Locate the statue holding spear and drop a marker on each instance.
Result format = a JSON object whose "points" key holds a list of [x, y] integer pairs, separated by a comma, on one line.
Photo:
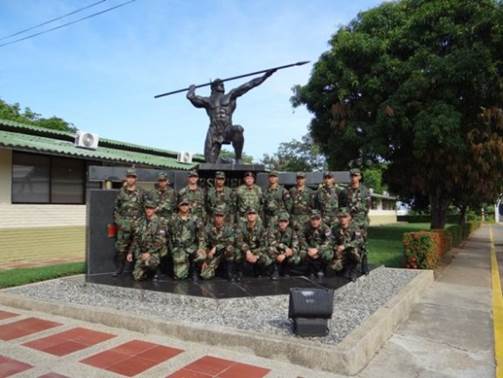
{"points": [[220, 106]]}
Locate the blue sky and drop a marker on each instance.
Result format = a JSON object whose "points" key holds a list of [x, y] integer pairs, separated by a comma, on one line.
{"points": [[101, 74]]}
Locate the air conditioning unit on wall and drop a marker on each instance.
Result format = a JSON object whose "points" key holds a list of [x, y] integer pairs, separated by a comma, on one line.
{"points": [[86, 140], [184, 157]]}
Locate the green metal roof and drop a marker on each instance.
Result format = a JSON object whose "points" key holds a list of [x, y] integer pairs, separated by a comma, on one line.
{"points": [[104, 142], [39, 139]]}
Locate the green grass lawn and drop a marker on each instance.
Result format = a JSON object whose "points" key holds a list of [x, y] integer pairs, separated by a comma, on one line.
{"points": [[16, 277], [385, 243]]}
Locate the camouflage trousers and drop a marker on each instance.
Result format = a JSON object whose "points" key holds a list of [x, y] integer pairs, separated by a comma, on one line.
{"points": [[143, 268], [263, 266], [123, 241], [209, 269], [182, 259], [350, 256]]}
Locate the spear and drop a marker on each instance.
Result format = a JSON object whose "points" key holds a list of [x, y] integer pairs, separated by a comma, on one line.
{"points": [[234, 78]]}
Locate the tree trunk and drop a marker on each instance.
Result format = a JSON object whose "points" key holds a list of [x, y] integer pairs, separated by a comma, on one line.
{"points": [[462, 215], [438, 206]]}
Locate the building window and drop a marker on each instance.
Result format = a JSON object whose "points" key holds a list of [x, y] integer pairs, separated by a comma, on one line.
{"points": [[47, 179]]}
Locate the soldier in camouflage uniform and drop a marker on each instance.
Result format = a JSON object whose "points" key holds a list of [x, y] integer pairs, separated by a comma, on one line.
{"points": [[357, 198], [302, 202], [128, 208], [220, 247], [195, 195], [316, 241], [221, 196], [348, 246], [327, 200], [283, 246], [164, 197], [252, 243], [149, 242], [186, 242], [248, 195], [276, 200]]}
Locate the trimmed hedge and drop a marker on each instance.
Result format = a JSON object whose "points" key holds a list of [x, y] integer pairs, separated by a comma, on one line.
{"points": [[424, 249]]}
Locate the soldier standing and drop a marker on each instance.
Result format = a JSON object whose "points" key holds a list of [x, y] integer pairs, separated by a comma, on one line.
{"points": [[253, 245], [195, 195], [276, 200], [302, 202], [219, 246], [128, 208], [186, 242], [357, 198], [327, 199], [149, 242], [248, 195], [348, 246], [164, 197], [283, 245], [221, 196], [317, 245]]}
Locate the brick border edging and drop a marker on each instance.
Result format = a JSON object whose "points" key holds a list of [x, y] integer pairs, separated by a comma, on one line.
{"points": [[350, 356]]}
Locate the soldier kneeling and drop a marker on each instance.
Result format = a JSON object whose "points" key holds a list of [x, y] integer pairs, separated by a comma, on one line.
{"points": [[149, 243], [283, 246], [252, 244], [186, 242], [220, 246], [348, 245]]}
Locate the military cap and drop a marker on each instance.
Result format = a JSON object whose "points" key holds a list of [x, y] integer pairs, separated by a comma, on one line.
{"points": [[220, 175], [183, 201], [193, 173], [131, 172], [251, 210], [150, 204], [162, 176], [327, 174], [219, 210], [274, 173], [315, 214], [283, 216], [248, 173], [343, 212], [355, 171], [300, 174]]}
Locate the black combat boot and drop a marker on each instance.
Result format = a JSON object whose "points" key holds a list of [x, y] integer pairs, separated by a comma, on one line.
{"points": [[238, 271], [195, 275], [230, 271], [158, 274], [275, 272], [320, 275], [121, 263], [365, 266], [353, 272]]}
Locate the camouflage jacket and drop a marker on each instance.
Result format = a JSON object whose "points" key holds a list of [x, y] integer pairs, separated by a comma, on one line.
{"points": [[320, 238], [222, 238], [276, 200], [150, 236], [278, 241], [252, 239], [248, 197], [165, 201], [224, 198], [187, 234], [350, 238], [327, 201], [128, 206], [358, 201], [302, 201], [196, 199]]}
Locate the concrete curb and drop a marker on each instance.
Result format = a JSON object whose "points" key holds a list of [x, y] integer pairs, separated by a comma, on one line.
{"points": [[348, 357]]}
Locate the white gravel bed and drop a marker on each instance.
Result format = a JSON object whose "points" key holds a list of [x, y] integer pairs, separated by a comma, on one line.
{"points": [[353, 303]]}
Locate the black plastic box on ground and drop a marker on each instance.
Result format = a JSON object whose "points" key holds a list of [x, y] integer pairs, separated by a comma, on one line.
{"points": [[310, 309], [310, 327]]}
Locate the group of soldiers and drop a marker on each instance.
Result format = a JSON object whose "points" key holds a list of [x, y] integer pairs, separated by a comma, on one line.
{"points": [[246, 231]]}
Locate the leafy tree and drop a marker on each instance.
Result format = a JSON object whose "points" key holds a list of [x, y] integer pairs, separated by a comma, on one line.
{"points": [[13, 113], [229, 155], [296, 155], [417, 84], [373, 178]]}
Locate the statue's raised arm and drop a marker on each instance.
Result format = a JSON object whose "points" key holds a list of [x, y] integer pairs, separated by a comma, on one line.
{"points": [[197, 101], [242, 89]]}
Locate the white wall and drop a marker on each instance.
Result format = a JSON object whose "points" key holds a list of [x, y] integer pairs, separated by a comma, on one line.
{"points": [[5, 176], [26, 216]]}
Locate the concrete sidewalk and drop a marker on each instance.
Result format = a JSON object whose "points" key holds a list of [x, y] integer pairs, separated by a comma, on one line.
{"points": [[449, 332]]}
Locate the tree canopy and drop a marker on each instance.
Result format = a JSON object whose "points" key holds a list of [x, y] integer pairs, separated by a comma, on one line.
{"points": [[14, 113], [416, 84]]}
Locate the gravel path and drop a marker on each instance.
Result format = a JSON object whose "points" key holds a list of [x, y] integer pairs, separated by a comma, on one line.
{"points": [[353, 303]]}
